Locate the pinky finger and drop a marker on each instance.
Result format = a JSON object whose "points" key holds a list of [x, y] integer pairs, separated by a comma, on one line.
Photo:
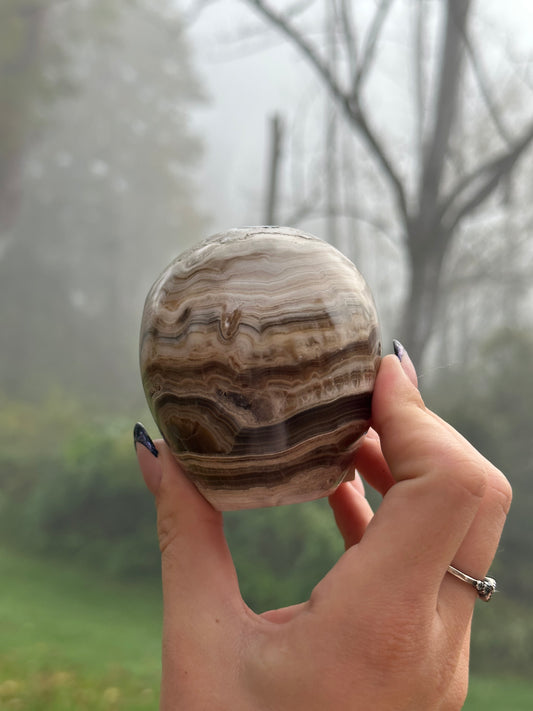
{"points": [[351, 510]]}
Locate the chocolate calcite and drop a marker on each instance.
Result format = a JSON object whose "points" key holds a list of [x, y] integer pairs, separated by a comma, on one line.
{"points": [[259, 350]]}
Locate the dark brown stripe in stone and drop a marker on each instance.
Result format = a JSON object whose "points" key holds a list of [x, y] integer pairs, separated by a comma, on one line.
{"points": [[242, 473], [253, 441]]}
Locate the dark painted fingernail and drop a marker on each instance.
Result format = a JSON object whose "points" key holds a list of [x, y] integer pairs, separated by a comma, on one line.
{"points": [[141, 436], [407, 364], [398, 349]]}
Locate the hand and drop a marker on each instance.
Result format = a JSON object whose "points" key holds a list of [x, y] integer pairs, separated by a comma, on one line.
{"points": [[387, 627]]}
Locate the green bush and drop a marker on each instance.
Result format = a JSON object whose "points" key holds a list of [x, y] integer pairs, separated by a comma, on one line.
{"points": [[71, 487], [491, 405], [281, 553], [502, 638]]}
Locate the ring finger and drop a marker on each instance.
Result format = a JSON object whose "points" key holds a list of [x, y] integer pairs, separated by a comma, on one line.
{"points": [[478, 548]]}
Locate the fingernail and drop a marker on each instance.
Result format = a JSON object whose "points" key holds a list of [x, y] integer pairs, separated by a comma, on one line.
{"points": [[141, 436], [358, 484], [398, 349], [405, 360]]}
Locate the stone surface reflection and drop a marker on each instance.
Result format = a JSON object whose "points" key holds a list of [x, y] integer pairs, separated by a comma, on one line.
{"points": [[259, 350]]}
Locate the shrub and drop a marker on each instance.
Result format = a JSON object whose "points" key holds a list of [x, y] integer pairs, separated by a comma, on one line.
{"points": [[70, 486]]}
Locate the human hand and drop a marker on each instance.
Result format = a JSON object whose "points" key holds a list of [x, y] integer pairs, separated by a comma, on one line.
{"points": [[387, 627]]}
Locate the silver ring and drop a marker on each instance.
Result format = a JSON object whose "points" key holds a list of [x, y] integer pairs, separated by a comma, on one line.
{"points": [[485, 588]]}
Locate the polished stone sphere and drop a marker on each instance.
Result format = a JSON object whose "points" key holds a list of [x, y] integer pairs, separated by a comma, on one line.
{"points": [[259, 349]]}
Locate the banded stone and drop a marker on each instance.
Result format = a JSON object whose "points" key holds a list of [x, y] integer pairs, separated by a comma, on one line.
{"points": [[258, 350]]}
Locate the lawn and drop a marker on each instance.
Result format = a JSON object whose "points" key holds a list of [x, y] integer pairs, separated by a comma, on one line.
{"points": [[499, 695], [70, 641]]}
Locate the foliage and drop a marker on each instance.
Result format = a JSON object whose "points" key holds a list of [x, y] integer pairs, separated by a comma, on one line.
{"points": [[74, 640], [497, 692], [281, 553], [490, 404], [69, 486], [502, 637], [86, 643]]}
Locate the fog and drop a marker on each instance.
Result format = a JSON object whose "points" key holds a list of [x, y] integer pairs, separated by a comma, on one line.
{"points": [[122, 147], [251, 73], [130, 131]]}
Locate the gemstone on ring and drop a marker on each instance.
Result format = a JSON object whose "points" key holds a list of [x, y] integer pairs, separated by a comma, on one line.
{"points": [[485, 588]]}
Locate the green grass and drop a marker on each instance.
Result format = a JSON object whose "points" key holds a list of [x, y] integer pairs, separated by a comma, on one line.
{"points": [[499, 695], [71, 641]]}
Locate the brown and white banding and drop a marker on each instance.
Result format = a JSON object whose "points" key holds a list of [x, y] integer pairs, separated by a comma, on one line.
{"points": [[259, 349]]}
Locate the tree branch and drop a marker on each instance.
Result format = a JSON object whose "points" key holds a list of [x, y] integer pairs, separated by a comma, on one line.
{"points": [[310, 210], [420, 95], [349, 103], [489, 175], [349, 35], [298, 7], [356, 115], [282, 23], [481, 78], [369, 49]]}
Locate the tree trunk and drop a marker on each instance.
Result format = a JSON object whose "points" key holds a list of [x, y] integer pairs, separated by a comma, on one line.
{"points": [[421, 305], [427, 238], [271, 208], [430, 213]]}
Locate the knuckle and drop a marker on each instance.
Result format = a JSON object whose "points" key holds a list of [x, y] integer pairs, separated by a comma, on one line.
{"points": [[167, 531], [470, 475], [501, 490]]}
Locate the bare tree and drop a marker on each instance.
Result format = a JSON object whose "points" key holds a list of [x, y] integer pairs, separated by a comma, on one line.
{"points": [[431, 208]]}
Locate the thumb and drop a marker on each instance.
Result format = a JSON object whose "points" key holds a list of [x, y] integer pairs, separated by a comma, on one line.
{"points": [[197, 568]]}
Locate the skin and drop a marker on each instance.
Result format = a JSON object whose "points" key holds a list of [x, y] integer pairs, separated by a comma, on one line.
{"points": [[387, 628]]}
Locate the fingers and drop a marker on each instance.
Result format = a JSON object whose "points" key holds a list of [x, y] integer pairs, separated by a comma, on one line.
{"points": [[203, 611], [440, 484], [351, 510], [478, 548], [197, 568], [147, 456], [371, 464], [407, 363]]}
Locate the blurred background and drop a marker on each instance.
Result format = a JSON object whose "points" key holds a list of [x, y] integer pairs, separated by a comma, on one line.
{"points": [[399, 130]]}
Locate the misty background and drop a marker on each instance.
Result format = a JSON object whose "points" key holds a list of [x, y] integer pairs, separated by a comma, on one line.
{"points": [[400, 131]]}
